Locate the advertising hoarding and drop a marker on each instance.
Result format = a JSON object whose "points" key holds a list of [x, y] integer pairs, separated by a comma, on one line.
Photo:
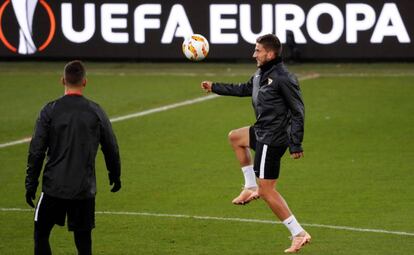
{"points": [[154, 30]]}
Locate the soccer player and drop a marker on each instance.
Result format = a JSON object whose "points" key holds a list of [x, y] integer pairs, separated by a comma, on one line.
{"points": [[68, 131], [279, 111]]}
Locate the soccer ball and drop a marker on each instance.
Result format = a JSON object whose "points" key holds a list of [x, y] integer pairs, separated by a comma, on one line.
{"points": [[195, 47]]}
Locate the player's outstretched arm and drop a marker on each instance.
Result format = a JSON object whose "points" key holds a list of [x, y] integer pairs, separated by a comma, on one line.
{"points": [[228, 89]]}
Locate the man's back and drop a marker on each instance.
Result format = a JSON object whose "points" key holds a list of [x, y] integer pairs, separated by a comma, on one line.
{"points": [[70, 129]]}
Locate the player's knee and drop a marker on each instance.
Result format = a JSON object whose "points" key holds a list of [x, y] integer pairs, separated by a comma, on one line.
{"points": [[233, 137]]}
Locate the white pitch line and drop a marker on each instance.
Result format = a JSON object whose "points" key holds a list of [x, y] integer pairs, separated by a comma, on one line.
{"points": [[130, 116], [24, 140], [381, 231], [163, 108], [154, 110]]}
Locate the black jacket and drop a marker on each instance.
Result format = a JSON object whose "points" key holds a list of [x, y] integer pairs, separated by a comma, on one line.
{"points": [[277, 103], [69, 130]]}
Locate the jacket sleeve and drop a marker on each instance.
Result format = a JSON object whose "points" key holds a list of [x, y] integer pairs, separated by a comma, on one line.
{"points": [[291, 91], [228, 89], [109, 147], [37, 149]]}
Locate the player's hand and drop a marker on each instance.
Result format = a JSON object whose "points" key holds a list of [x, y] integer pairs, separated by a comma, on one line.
{"points": [[206, 86], [117, 185], [30, 196], [297, 155]]}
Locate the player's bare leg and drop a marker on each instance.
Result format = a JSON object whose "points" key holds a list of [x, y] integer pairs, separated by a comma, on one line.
{"points": [[239, 140], [280, 208]]}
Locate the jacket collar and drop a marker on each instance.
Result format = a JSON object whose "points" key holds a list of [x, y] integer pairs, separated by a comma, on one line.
{"points": [[73, 93], [270, 64]]}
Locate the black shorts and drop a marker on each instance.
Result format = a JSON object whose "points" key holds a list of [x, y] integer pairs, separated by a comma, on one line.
{"points": [[252, 138], [50, 211], [267, 160]]}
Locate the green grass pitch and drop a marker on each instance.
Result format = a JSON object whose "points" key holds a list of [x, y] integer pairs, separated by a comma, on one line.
{"points": [[177, 164]]}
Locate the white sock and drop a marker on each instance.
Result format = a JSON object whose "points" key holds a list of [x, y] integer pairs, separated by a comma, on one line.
{"points": [[249, 177], [293, 225]]}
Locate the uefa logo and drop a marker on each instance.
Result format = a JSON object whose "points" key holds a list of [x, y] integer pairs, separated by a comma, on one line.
{"points": [[24, 11]]}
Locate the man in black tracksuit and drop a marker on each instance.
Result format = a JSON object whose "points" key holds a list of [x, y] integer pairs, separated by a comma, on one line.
{"points": [[279, 111], [68, 132]]}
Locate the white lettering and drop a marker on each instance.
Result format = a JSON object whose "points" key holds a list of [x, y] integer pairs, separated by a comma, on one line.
{"points": [[337, 23], [67, 26], [245, 22], [353, 25], [108, 23], [283, 24], [178, 25], [141, 23], [390, 14], [217, 23], [285, 20]]}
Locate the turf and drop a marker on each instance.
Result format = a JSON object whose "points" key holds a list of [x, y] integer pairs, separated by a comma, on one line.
{"points": [[357, 170]]}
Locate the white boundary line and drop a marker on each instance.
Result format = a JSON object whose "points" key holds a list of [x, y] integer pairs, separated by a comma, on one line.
{"points": [[130, 116], [150, 111], [163, 108], [24, 140], [382, 231]]}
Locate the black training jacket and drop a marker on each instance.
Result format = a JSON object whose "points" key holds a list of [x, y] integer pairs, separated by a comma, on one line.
{"points": [[277, 103], [68, 131]]}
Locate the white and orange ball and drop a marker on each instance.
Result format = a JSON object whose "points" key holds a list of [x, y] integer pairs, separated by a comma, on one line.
{"points": [[196, 47]]}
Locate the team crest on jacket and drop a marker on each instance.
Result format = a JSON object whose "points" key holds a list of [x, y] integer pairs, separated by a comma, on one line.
{"points": [[269, 81]]}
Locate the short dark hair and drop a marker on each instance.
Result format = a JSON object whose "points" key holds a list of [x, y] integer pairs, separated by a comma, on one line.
{"points": [[270, 42], [74, 72]]}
